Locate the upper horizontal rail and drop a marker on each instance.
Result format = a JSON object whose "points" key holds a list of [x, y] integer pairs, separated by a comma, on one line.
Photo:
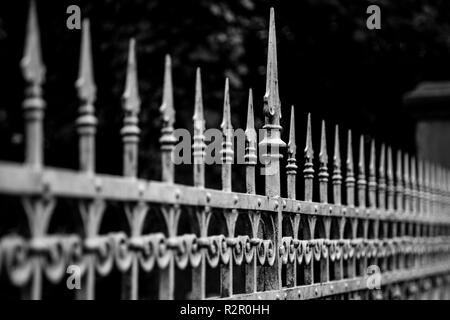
{"points": [[18, 179]]}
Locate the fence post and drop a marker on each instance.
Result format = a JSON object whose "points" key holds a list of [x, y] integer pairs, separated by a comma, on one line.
{"points": [[271, 145]]}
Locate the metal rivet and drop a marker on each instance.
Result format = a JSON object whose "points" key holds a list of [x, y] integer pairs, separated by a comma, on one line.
{"points": [[331, 209], [259, 297], [277, 297], [98, 185], [316, 209], [177, 194], [141, 189], [276, 205], [259, 202], [299, 207], [316, 291], [285, 296], [299, 293], [346, 285], [235, 199], [284, 203], [344, 210], [208, 197]]}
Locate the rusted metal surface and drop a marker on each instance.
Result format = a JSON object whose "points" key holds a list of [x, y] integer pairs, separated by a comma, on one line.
{"points": [[288, 248]]}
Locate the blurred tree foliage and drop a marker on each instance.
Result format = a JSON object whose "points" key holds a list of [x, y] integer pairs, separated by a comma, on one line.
{"points": [[329, 63]]}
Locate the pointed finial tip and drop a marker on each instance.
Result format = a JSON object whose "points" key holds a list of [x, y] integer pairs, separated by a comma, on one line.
{"points": [[32, 67]]}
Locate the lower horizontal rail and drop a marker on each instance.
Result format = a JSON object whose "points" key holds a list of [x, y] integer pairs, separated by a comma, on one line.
{"points": [[319, 290]]}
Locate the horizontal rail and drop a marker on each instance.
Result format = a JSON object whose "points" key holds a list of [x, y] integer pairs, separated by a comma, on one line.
{"points": [[18, 179]]}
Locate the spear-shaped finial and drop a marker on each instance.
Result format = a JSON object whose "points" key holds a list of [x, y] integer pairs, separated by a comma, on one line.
{"points": [[390, 180], [250, 149], [350, 177], [291, 167], [131, 100], [199, 121], [398, 182], [85, 82], [323, 169], [337, 177], [226, 120], [167, 109], [199, 137], [86, 122], [272, 143], [32, 66], [131, 106], [227, 145], [308, 171], [372, 185], [33, 71], [414, 187], [167, 139], [382, 178], [361, 183], [292, 146], [407, 182], [272, 105]]}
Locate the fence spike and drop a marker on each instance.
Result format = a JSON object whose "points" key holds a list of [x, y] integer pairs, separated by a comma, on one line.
{"points": [[350, 177], [167, 139], [291, 167], [33, 68], [361, 182], [390, 180], [308, 171], [227, 145], [414, 187], [337, 173], [272, 143], [382, 178], [407, 183], [86, 122], [33, 71], [420, 186], [428, 187], [131, 106], [272, 105], [199, 137], [372, 183], [399, 190], [250, 150], [167, 108], [323, 169]]}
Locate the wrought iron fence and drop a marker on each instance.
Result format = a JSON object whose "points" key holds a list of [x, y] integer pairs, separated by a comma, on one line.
{"points": [[378, 234]]}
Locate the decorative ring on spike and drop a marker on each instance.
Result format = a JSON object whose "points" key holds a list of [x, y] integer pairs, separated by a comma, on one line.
{"points": [[300, 251], [146, 250], [225, 250], [73, 248], [55, 260], [317, 248], [332, 250], [261, 251], [308, 251], [195, 254], [284, 249], [325, 248], [248, 249], [103, 249], [122, 255], [163, 252], [270, 251], [16, 258], [213, 252], [179, 247]]}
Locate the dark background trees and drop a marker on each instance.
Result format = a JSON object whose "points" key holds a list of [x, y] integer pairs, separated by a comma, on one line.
{"points": [[330, 64]]}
